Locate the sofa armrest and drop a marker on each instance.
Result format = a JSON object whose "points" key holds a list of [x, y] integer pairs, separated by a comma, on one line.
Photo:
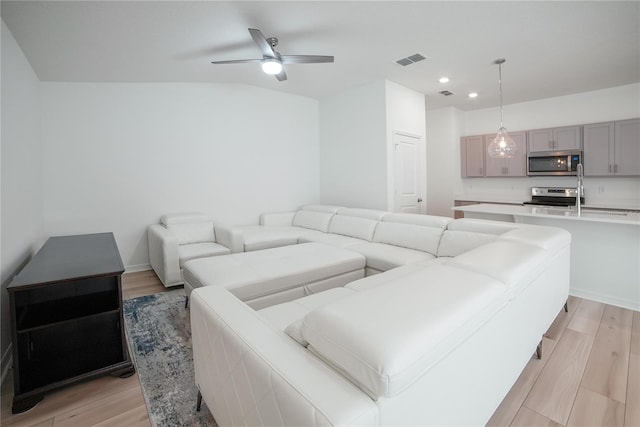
{"points": [[277, 218], [250, 374], [163, 254], [231, 237]]}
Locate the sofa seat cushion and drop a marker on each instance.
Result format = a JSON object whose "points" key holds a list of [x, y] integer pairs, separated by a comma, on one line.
{"points": [[386, 257], [259, 237], [385, 277], [200, 250], [336, 240], [250, 275], [280, 316], [385, 338]]}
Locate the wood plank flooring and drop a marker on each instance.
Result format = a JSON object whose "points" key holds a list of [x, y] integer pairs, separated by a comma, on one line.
{"points": [[589, 374]]}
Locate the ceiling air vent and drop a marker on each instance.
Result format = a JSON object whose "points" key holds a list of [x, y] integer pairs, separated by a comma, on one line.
{"points": [[410, 59], [445, 93]]}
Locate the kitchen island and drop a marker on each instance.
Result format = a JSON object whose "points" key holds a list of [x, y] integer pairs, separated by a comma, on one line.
{"points": [[605, 246]]}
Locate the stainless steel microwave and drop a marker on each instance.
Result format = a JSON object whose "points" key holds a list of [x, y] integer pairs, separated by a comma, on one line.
{"points": [[554, 162]]}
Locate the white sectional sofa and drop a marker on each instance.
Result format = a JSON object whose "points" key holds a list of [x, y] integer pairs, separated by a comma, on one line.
{"points": [[437, 337], [386, 239]]}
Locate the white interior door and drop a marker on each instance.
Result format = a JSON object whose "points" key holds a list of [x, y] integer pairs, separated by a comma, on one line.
{"points": [[407, 173]]}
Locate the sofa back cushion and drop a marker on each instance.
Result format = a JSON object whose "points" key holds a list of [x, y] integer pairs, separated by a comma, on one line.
{"points": [[551, 239], [454, 243], [418, 219], [313, 220], [363, 213], [385, 347], [482, 226], [360, 228], [190, 227], [321, 208], [410, 236]]}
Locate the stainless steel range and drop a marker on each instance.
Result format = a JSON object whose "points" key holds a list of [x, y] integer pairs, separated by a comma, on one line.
{"points": [[554, 196]]}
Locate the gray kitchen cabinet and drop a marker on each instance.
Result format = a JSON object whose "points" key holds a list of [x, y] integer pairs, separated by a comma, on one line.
{"points": [[627, 148], [612, 148], [555, 139], [472, 155], [515, 166], [598, 149]]}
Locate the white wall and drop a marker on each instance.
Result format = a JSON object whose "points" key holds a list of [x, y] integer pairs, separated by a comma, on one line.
{"points": [[353, 148], [120, 155], [21, 224], [405, 113], [443, 157], [616, 103]]}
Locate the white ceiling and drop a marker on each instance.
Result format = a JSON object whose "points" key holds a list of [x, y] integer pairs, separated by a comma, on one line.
{"points": [[552, 48]]}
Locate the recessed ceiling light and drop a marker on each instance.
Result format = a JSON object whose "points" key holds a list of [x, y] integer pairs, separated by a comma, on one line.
{"points": [[444, 80], [473, 94]]}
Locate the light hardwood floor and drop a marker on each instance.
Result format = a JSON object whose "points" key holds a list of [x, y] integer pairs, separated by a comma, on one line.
{"points": [[589, 375]]}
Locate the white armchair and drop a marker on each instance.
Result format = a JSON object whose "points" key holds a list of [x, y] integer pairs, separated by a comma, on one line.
{"points": [[182, 237]]}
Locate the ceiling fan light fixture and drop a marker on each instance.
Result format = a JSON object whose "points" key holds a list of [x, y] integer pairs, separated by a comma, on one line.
{"points": [[502, 145], [271, 66]]}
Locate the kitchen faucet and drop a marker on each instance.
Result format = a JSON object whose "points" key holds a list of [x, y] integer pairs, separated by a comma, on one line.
{"points": [[580, 189]]}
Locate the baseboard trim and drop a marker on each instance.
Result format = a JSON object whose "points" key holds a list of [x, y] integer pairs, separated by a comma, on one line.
{"points": [[137, 267], [6, 362], [605, 299]]}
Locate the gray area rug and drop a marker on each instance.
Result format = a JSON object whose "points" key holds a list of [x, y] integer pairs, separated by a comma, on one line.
{"points": [[159, 333]]}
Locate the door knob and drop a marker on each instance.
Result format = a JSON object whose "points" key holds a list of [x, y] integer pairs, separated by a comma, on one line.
{"points": [[419, 199]]}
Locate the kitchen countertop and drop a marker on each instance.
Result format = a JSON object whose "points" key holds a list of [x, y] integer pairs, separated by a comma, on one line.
{"points": [[496, 198], [490, 198], [552, 212]]}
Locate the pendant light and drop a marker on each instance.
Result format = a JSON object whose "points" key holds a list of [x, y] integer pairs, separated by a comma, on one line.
{"points": [[502, 145]]}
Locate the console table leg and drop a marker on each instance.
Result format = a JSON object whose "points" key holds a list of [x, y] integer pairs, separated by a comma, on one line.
{"points": [[199, 403], [124, 373], [24, 404], [539, 350]]}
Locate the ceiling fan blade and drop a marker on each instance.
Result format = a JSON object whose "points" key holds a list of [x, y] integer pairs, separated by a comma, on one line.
{"points": [[262, 43], [281, 76], [237, 61], [305, 59]]}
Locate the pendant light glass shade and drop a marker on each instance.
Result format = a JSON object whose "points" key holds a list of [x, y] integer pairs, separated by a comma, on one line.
{"points": [[502, 145]]}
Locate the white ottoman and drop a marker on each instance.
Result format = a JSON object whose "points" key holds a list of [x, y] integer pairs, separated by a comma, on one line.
{"points": [[272, 276]]}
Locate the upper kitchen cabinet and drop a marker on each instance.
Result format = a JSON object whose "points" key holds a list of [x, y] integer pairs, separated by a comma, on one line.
{"points": [[472, 156], [514, 166], [612, 148], [627, 148], [555, 139]]}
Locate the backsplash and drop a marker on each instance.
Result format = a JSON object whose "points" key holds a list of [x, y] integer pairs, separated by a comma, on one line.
{"points": [[613, 192]]}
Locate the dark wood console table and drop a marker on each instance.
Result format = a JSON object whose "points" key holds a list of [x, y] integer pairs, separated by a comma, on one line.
{"points": [[66, 317]]}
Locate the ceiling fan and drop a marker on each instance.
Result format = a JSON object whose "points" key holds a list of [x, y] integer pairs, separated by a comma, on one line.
{"points": [[272, 62]]}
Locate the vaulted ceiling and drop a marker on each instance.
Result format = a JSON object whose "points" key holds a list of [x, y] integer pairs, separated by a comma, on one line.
{"points": [[552, 48]]}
